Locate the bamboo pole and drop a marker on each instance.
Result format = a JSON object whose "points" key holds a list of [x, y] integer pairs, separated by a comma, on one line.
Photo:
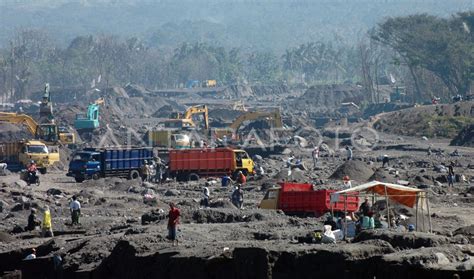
{"points": [[429, 215], [416, 212], [345, 214], [388, 207]]}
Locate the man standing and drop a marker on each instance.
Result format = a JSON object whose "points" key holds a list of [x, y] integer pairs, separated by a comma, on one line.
{"points": [[173, 221], [315, 155], [75, 208], [238, 197], [146, 171], [31, 256], [241, 179], [347, 182], [385, 161], [349, 153], [47, 229], [451, 176], [33, 222], [205, 197]]}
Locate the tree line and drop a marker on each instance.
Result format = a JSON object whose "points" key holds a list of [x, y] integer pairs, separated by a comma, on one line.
{"points": [[430, 55]]}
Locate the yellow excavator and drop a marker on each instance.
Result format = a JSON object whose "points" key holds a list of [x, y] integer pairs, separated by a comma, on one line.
{"points": [[185, 120], [272, 117], [48, 132]]}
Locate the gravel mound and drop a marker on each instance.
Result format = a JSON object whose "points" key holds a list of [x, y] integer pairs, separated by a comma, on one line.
{"points": [[356, 170], [465, 137]]}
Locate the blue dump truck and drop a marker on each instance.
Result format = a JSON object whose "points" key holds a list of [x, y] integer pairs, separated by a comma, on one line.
{"points": [[94, 163]]}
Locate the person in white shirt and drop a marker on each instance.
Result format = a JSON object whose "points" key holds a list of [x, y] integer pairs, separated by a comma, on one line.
{"points": [[347, 182], [315, 155], [75, 207], [205, 197]]}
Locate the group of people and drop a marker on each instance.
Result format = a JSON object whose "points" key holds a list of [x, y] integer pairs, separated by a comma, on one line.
{"points": [[46, 225], [236, 195], [153, 171]]}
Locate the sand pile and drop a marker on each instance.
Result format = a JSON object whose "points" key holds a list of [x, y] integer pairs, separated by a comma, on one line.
{"points": [[356, 170]]}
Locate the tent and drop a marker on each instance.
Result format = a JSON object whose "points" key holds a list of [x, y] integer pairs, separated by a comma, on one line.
{"points": [[410, 197]]}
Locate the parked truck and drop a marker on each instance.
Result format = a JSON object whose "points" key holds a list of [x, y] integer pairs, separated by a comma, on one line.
{"points": [[19, 154], [191, 164], [94, 163], [302, 199], [168, 139]]}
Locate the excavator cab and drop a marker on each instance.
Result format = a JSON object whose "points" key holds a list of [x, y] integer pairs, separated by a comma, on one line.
{"points": [[47, 132]]}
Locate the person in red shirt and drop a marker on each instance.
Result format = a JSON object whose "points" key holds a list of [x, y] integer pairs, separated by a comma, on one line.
{"points": [[173, 221], [32, 167], [241, 179]]}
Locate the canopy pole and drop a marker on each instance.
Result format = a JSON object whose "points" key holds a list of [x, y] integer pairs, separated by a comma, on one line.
{"points": [[416, 212], [429, 215], [345, 216], [388, 207], [423, 217]]}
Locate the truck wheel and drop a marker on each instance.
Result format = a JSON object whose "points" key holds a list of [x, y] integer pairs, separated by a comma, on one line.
{"points": [[42, 170], [193, 177], [134, 174], [79, 179], [95, 176]]}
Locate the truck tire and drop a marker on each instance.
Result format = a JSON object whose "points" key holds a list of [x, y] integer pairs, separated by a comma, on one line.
{"points": [[42, 170], [193, 177], [134, 174], [95, 176], [79, 179]]}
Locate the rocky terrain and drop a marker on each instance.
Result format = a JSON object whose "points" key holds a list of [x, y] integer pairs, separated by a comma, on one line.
{"points": [[123, 235]]}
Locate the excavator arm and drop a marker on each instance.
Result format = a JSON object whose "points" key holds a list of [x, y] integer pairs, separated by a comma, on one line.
{"points": [[275, 118], [14, 118], [198, 110]]}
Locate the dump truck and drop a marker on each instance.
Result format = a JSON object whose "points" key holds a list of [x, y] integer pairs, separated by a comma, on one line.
{"points": [[168, 139], [209, 83], [95, 163], [19, 154], [191, 164], [302, 199]]}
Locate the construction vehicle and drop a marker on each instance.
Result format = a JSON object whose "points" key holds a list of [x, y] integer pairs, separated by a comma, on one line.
{"points": [[185, 120], [19, 154], [302, 199], [209, 83], [168, 139], [231, 132], [47, 132], [90, 120], [94, 163], [191, 164]]}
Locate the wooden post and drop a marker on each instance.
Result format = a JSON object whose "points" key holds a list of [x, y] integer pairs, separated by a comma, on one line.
{"points": [[428, 209], [345, 215], [423, 217], [388, 207], [416, 211]]}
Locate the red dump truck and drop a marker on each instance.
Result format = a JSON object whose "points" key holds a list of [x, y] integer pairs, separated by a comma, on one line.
{"points": [[302, 199], [190, 164]]}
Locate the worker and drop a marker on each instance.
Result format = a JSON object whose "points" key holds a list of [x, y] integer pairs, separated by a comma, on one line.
{"points": [[259, 171], [451, 176], [330, 221], [47, 229], [32, 255], [411, 228], [158, 178], [241, 178], [315, 155], [346, 180], [33, 221], [226, 180], [75, 208], [32, 169], [238, 197], [146, 171], [364, 208], [173, 221], [349, 153], [205, 197], [368, 222], [385, 160]]}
